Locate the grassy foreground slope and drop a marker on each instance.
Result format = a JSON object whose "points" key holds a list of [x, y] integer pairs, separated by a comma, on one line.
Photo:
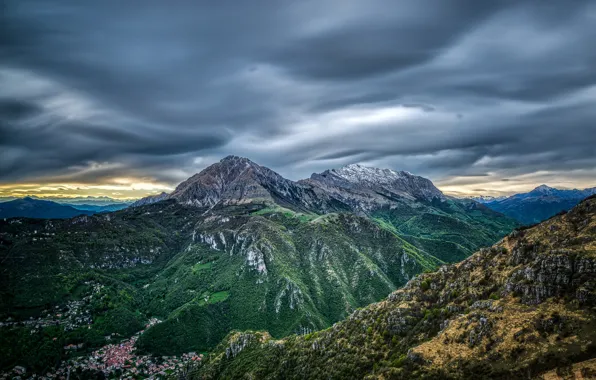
{"points": [[522, 307]]}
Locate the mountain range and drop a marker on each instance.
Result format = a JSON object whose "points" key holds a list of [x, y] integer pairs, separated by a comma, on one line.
{"points": [[236, 179], [101, 208], [487, 198], [355, 186], [236, 246], [522, 309], [89, 200], [539, 204], [45, 209], [36, 208]]}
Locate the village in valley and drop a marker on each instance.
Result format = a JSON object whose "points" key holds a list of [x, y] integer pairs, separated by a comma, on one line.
{"points": [[114, 360]]}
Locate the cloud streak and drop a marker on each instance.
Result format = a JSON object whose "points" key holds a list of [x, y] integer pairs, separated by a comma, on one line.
{"points": [[465, 92]]}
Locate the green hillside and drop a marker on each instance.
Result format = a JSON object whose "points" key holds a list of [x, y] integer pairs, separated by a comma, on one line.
{"points": [[240, 267], [515, 310], [238, 248]]}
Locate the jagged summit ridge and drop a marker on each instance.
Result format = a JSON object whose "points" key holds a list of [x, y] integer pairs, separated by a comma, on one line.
{"points": [[363, 174], [150, 199], [375, 183], [236, 159], [233, 178], [543, 188], [545, 191], [390, 179], [236, 180]]}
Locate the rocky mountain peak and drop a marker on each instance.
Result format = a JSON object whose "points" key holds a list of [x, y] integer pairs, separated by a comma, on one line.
{"points": [[368, 175], [232, 177], [544, 189], [235, 180], [236, 160], [365, 179], [150, 199]]}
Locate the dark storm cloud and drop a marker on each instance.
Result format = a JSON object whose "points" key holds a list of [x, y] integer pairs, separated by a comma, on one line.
{"points": [[15, 109], [381, 39], [441, 88]]}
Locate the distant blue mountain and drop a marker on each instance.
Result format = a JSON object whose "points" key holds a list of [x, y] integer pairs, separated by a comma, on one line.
{"points": [[486, 198], [99, 208], [540, 203], [36, 208], [76, 201]]}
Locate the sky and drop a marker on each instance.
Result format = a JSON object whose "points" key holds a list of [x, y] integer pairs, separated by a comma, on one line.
{"points": [[128, 98]]}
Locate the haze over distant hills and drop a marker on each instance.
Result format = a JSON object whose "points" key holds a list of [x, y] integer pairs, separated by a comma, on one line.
{"points": [[31, 207], [487, 198], [89, 200], [538, 204], [36, 208], [528, 208]]}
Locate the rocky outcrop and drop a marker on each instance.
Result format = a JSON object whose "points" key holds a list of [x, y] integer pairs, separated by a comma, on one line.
{"points": [[356, 180], [238, 180], [238, 343], [150, 199]]}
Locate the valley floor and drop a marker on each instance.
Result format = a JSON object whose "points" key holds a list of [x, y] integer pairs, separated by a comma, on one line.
{"points": [[114, 360]]}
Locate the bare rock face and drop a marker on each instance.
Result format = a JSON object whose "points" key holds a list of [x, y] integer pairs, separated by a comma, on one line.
{"points": [[237, 180], [400, 183], [150, 200], [238, 343], [233, 179], [549, 276], [365, 188]]}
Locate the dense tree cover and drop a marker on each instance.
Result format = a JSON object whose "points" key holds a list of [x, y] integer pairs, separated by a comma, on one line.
{"points": [[524, 306], [115, 310], [205, 272]]}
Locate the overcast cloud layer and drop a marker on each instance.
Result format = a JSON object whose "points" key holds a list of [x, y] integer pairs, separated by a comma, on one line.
{"points": [[479, 96]]}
